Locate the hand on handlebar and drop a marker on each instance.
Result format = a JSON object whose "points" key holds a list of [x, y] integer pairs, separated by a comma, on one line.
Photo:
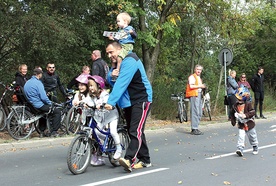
{"points": [[109, 107]]}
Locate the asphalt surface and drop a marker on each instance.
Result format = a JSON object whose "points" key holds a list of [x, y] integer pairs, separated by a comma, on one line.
{"points": [[156, 125]]}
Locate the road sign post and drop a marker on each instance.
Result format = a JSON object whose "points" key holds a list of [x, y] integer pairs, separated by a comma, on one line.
{"points": [[225, 58]]}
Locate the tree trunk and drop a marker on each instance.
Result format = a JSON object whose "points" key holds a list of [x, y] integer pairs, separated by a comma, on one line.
{"points": [[150, 54]]}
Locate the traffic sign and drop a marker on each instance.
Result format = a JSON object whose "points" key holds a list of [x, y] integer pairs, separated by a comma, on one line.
{"points": [[225, 56]]}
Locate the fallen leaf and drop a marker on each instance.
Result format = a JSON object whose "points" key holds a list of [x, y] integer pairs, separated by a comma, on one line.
{"points": [[226, 183], [214, 174], [180, 182]]}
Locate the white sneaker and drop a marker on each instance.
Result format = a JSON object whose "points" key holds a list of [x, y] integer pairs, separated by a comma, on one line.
{"points": [[94, 158], [100, 161], [117, 154]]}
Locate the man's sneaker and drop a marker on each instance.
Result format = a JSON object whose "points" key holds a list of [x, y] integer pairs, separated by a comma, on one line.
{"points": [[239, 152], [255, 150], [256, 117], [262, 116], [126, 164], [140, 165], [196, 132]]}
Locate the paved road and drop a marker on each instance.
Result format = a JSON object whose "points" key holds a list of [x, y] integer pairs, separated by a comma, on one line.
{"points": [[178, 159]]}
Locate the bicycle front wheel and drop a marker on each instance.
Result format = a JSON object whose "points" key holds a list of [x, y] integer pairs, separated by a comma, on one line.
{"points": [[124, 140], [3, 119], [182, 112], [79, 154], [16, 128]]}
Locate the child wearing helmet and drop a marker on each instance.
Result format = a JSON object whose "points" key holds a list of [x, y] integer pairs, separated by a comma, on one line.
{"points": [[83, 89], [98, 97], [243, 113]]}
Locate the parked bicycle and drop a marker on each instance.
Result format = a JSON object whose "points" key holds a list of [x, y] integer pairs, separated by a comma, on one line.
{"points": [[24, 118], [181, 107], [88, 141], [5, 103], [206, 103]]}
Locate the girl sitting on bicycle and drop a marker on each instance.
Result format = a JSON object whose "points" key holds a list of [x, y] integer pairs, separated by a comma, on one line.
{"points": [[98, 97], [83, 89]]}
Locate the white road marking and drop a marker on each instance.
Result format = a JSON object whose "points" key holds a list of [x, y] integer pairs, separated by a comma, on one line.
{"points": [[125, 177], [273, 126], [234, 153]]}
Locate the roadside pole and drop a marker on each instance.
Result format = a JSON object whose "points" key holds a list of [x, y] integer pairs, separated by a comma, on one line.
{"points": [[225, 58]]}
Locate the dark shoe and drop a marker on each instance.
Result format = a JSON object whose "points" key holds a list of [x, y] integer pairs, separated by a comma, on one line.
{"points": [[196, 132], [54, 134], [239, 152], [256, 117], [42, 135], [262, 116]]}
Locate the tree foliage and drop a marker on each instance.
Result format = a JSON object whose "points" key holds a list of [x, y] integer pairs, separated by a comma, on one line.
{"points": [[173, 36]]}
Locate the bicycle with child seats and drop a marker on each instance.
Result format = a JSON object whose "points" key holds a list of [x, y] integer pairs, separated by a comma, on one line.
{"points": [[74, 119], [181, 107], [88, 141], [5, 102], [206, 103]]}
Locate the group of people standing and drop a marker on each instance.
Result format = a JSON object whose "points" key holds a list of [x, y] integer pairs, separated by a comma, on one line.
{"points": [[240, 109], [256, 84]]}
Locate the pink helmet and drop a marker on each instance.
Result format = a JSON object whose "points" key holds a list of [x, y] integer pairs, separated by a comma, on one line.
{"points": [[83, 78], [99, 80]]}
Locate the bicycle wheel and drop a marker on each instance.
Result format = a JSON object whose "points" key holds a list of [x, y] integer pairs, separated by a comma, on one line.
{"points": [[208, 109], [79, 154], [124, 140], [182, 112], [3, 119], [63, 125], [16, 128], [73, 120]]}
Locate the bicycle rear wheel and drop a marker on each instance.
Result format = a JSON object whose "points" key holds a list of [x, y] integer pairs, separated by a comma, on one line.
{"points": [[3, 119], [182, 112], [79, 154], [73, 120], [208, 110], [124, 140], [16, 129]]}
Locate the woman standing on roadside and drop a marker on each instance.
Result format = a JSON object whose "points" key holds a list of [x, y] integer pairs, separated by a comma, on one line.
{"points": [[244, 82], [232, 87]]}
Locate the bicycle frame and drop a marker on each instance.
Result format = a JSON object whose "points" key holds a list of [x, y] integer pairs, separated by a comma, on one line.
{"points": [[91, 131]]}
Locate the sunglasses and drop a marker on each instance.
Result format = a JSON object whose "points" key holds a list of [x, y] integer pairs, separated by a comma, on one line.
{"points": [[243, 77], [51, 67]]}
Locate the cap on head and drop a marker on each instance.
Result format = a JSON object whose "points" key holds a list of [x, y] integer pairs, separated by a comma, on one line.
{"points": [[243, 93], [99, 80], [83, 78]]}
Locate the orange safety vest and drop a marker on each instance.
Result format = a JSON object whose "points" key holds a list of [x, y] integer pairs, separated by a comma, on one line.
{"points": [[192, 92]]}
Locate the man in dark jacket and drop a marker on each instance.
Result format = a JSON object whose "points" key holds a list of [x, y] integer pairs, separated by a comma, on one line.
{"points": [[99, 66], [257, 85], [51, 82]]}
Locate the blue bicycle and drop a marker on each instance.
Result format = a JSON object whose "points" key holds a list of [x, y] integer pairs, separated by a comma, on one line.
{"points": [[87, 141]]}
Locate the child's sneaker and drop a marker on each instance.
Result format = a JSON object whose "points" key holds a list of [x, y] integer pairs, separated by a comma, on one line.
{"points": [[255, 150], [239, 152], [117, 154], [141, 164], [126, 164], [94, 158]]}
